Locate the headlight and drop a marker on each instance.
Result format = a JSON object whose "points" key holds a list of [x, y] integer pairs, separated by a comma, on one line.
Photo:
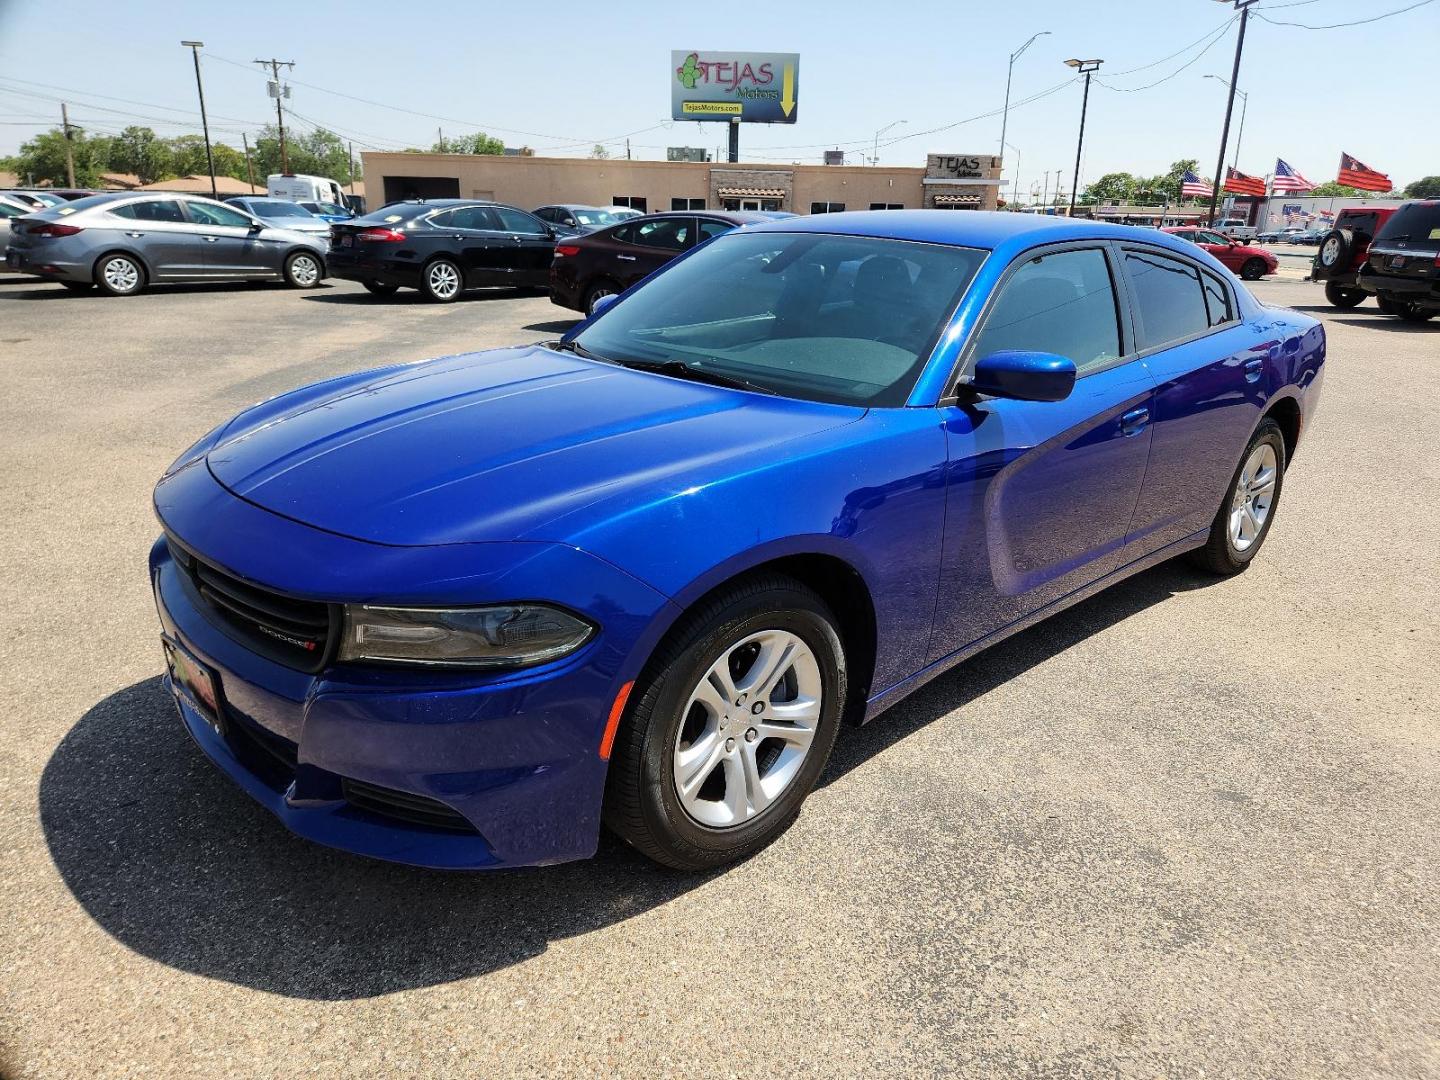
{"points": [[503, 635]]}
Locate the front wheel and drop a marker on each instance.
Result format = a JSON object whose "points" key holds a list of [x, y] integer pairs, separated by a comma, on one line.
{"points": [[1244, 518], [1341, 297], [303, 270], [441, 282], [729, 726], [1253, 269]]}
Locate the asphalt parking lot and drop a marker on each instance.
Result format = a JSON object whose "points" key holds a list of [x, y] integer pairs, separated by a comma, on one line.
{"points": [[1187, 828]]}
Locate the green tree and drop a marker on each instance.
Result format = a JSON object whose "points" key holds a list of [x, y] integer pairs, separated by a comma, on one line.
{"points": [[1115, 187], [43, 158], [1427, 187], [315, 153], [479, 143], [1332, 189], [600, 151], [140, 151], [187, 158]]}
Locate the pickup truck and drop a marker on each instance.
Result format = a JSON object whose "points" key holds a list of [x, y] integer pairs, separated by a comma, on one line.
{"points": [[1235, 229]]}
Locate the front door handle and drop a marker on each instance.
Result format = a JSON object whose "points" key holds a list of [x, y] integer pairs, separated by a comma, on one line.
{"points": [[1254, 369], [626, 258], [1134, 421], [135, 235], [210, 239]]}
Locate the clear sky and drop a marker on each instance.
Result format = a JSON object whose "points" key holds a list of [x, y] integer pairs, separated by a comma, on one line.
{"points": [[562, 76]]}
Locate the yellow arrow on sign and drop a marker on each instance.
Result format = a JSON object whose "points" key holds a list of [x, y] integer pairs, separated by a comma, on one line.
{"points": [[787, 95]]}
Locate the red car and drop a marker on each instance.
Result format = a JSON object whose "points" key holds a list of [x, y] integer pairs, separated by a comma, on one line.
{"points": [[1251, 263]]}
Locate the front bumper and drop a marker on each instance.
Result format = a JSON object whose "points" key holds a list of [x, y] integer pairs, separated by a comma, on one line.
{"points": [[441, 769]]}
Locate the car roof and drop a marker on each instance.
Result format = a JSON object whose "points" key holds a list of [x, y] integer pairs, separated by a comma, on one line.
{"points": [[968, 228], [737, 217]]}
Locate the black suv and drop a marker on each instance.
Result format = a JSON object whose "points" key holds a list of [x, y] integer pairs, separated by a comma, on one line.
{"points": [[1403, 267], [442, 247]]}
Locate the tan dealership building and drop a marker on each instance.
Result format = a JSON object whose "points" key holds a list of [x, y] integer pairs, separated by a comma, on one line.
{"points": [[947, 181]]}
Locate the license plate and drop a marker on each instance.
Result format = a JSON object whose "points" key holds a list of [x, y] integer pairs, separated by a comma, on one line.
{"points": [[347, 241], [195, 681], [1397, 261]]}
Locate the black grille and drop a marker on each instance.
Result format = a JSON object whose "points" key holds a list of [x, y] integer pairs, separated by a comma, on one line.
{"points": [[416, 809], [266, 753], [295, 632]]}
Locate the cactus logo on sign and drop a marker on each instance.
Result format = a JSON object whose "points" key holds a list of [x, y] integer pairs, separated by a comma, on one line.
{"points": [[756, 87]]}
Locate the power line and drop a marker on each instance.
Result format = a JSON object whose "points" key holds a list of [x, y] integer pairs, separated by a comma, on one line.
{"points": [[1215, 40], [1156, 63], [1340, 26]]}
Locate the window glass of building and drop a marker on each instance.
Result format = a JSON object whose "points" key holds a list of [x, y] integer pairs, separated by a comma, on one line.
{"points": [[1062, 303], [1167, 294]]}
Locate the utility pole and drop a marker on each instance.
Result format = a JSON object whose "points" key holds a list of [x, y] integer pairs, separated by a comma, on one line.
{"points": [[1244, 8], [1086, 68], [351, 147], [69, 150], [279, 92], [627, 149], [249, 165], [195, 47], [1045, 194]]}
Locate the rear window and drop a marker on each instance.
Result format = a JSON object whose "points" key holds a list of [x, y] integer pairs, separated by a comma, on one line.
{"points": [[1418, 223]]}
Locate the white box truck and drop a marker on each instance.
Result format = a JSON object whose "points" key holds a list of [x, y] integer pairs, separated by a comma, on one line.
{"points": [[299, 188]]}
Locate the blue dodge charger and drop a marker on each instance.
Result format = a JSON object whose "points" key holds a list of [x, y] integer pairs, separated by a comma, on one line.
{"points": [[464, 613]]}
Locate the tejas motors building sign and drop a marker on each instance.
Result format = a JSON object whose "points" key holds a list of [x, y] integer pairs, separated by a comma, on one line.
{"points": [[757, 88]]}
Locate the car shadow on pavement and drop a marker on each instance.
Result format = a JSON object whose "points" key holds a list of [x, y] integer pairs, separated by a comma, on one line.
{"points": [[177, 864], [1392, 325], [53, 290], [558, 326], [412, 296]]}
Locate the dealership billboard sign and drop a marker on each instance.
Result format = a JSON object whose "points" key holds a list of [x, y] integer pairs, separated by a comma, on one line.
{"points": [[758, 88]]}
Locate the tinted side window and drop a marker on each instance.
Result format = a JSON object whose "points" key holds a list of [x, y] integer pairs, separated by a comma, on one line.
{"points": [[1167, 294], [625, 234], [669, 233], [205, 214], [518, 221], [1217, 299], [159, 210], [713, 228], [547, 213], [1363, 224], [1062, 303], [472, 217]]}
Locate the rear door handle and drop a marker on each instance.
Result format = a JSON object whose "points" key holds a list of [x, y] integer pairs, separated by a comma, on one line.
{"points": [[626, 258], [1254, 369], [1134, 421], [135, 235], [210, 239]]}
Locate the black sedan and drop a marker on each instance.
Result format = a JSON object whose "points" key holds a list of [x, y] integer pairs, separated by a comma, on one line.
{"points": [[442, 247], [608, 262]]}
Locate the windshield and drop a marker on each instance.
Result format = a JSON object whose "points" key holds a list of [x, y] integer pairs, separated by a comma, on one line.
{"points": [[598, 218], [276, 208], [1418, 223], [844, 319]]}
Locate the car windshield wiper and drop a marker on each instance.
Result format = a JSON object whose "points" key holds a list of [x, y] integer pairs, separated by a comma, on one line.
{"points": [[578, 349], [679, 369]]}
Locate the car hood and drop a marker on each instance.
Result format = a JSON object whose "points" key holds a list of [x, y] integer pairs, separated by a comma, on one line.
{"points": [[497, 446]]}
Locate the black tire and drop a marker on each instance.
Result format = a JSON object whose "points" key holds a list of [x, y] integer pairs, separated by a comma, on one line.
{"points": [[379, 288], [1341, 297], [442, 281], [1336, 250], [1416, 313], [641, 803], [114, 279], [1220, 555], [304, 269], [1388, 306], [596, 291], [1253, 269], [78, 286]]}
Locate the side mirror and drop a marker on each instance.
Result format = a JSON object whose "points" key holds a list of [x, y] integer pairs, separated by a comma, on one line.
{"points": [[602, 303], [1024, 375], [256, 226]]}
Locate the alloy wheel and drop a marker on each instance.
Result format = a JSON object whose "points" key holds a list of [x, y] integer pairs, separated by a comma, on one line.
{"points": [[1330, 252], [304, 270], [747, 728], [1253, 498], [122, 275], [443, 280]]}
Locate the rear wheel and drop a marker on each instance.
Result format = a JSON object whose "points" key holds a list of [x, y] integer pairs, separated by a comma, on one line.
{"points": [[597, 292], [1253, 269], [441, 282], [729, 727], [379, 288], [1341, 297], [1416, 313], [119, 275], [303, 270], [1243, 520]]}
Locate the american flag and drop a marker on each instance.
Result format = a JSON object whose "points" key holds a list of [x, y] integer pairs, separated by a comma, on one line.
{"points": [[1190, 184], [1288, 179], [1359, 175], [1237, 182]]}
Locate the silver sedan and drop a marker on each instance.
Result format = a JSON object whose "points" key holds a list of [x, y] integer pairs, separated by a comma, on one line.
{"points": [[122, 242]]}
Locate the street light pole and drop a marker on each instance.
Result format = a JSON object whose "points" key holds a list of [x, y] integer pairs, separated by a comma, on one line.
{"points": [[1005, 115], [1015, 197], [875, 153], [1086, 68], [1243, 6], [1240, 134], [195, 47]]}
